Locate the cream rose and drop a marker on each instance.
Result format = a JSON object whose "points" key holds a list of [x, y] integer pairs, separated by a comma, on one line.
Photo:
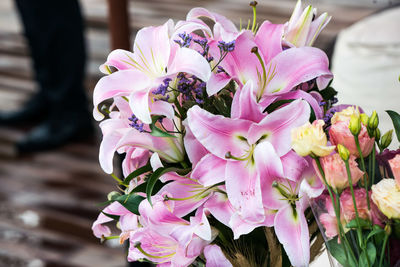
{"points": [[311, 138], [386, 195]]}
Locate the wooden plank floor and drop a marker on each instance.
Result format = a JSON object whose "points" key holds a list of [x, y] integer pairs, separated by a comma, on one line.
{"points": [[48, 200]]}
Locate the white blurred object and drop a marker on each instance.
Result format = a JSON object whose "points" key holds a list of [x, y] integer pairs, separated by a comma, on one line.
{"points": [[29, 218], [36, 263], [366, 66]]}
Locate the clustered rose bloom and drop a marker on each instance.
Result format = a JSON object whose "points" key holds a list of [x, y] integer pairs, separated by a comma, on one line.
{"points": [[347, 211], [311, 139], [395, 166], [386, 195], [335, 171], [340, 133]]}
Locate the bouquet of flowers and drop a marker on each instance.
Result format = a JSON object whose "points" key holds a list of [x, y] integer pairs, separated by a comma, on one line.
{"points": [[204, 114], [359, 212]]}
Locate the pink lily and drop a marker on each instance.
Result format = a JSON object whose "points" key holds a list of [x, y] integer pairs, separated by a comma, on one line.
{"points": [[245, 147], [166, 238], [155, 58], [118, 135], [262, 59], [128, 221], [302, 29], [289, 196]]}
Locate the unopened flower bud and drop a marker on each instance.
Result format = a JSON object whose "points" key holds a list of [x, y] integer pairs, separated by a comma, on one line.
{"points": [[388, 229], [355, 125], [373, 121], [343, 152], [377, 134], [386, 139], [113, 195], [364, 119]]}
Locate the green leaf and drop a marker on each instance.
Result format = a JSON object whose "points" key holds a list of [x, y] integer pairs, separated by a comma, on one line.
{"points": [[396, 122], [130, 202], [377, 230], [157, 132], [353, 223], [114, 217], [277, 104], [136, 173], [328, 93], [370, 253], [338, 253], [154, 178]]}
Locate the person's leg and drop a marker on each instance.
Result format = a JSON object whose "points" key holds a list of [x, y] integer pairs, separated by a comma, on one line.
{"points": [[54, 30]]}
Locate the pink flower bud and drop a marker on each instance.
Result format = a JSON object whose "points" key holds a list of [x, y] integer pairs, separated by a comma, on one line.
{"points": [[335, 171], [340, 134], [395, 166]]}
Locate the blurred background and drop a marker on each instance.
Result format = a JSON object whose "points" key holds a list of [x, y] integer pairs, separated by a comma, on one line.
{"points": [[48, 200]]}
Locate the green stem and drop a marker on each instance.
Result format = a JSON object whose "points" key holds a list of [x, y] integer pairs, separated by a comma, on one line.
{"points": [[359, 233], [363, 168], [373, 164], [253, 28], [337, 210], [383, 250], [180, 110]]}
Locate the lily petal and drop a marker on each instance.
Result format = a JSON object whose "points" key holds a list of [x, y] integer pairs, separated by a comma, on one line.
{"points": [[210, 170], [276, 126], [244, 192], [190, 61], [119, 59], [292, 231], [215, 257], [218, 134], [120, 83], [269, 39], [245, 106], [294, 66]]}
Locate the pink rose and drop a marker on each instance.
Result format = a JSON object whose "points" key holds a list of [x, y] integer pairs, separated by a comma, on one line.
{"points": [[347, 206], [395, 166], [340, 134], [335, 171], [328, 219]]}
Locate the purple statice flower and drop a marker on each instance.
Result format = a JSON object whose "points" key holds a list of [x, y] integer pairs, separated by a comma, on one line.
{"points": [[322, 103], [185, 41], [226, 46], [328, 116], [162, 89], [136, 123], [191, 88], [203, 43]]}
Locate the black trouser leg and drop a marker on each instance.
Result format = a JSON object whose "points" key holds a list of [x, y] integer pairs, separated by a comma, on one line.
{"points": [[54, 30]]}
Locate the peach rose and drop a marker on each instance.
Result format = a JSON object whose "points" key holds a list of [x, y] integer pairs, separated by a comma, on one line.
{"points": [[386, 195], [311, 138], [335, 171], [340, 134], [395, 166]]}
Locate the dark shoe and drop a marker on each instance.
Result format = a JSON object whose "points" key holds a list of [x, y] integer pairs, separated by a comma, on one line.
{"points": [[33, 110], [55, 133]]}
